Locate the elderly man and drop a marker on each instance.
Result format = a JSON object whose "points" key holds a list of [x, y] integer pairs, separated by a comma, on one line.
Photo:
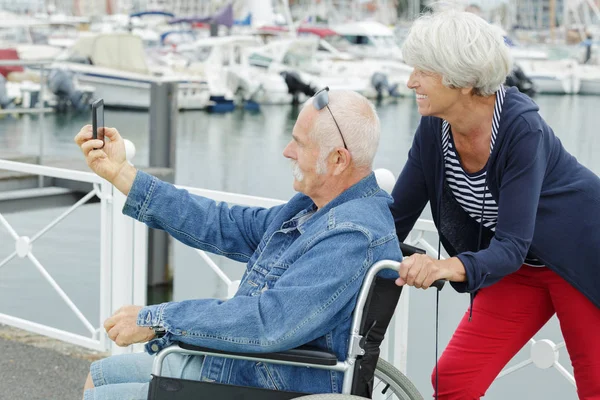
{"points": [[305, 260]]}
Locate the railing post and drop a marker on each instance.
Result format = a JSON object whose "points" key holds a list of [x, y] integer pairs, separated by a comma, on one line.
{"points": [[106, 234], [398, 335], [41, 105], [122, 257], [128, 272], [394, 348], [129, 248], [163, 132]]}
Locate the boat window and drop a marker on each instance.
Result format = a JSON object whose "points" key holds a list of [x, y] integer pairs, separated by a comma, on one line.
{"points": [[187, 55], [384, 41], [297, 58], [13, 35], [337, 42], [358, 39], [151, 43], [79, 59], [202, 53], [259, 60]]}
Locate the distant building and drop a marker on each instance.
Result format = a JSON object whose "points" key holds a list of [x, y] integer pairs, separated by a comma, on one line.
{"points": [[39, 6], [21, 6], [535, 14]]}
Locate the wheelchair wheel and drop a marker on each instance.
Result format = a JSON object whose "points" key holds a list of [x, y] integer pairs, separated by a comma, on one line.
{"points": [[390, 383]]}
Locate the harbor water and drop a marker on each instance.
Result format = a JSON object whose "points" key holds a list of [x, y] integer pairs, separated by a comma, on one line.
{"points": [[241, 152]]}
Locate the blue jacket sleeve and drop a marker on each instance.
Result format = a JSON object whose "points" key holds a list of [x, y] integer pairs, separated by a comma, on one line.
{"points": [[313, 296], [410, 191], [519, 196], [197, 221]]}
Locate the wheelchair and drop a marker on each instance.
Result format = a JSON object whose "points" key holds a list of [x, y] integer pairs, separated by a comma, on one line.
{"points": [[365, 374]]}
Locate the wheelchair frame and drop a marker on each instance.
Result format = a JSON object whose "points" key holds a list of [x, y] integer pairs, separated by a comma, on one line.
{"points": [[302, 357]]}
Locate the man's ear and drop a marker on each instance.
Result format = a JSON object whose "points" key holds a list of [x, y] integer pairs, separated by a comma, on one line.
{"points": [[340, 160]]}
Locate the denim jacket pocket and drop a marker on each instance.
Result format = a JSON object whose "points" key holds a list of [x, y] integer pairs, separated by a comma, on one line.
{"points": [[269, 377], [276, 270], [256, 275]]}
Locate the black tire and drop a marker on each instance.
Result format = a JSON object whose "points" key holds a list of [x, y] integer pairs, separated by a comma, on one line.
{"points": [[401, 386], [385, 374]]}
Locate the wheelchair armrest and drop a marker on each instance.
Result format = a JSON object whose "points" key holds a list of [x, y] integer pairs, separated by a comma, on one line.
{"points": [[303, 354]]}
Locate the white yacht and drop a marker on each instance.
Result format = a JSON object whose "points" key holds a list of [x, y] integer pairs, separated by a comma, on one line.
{"points": [[553, 76], [366, 39], [223, 62], [115, 64], [589, 76]]}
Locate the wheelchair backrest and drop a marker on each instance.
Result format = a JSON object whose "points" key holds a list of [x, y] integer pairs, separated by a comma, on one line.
{"points": [[377, 314]]}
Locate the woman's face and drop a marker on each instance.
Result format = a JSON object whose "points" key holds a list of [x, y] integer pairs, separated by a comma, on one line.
{"points": [[433, 98]]}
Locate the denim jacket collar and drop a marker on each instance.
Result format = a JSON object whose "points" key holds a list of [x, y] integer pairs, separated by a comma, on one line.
{"points": [[366, 187]]}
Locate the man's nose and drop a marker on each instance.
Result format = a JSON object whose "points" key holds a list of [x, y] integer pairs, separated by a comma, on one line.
{"points": [[287, 152]]}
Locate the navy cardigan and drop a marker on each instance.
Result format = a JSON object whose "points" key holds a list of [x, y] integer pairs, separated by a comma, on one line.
{"points": [[548, 203]]}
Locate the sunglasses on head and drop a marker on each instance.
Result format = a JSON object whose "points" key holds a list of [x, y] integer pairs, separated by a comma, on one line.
{"points": [[320, 101]]}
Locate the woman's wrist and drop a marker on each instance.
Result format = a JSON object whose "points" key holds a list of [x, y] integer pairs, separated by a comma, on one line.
{"points": [[456, 270]]}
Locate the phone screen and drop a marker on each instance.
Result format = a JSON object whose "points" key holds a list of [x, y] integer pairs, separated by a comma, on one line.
{"points": [[98, 119]]}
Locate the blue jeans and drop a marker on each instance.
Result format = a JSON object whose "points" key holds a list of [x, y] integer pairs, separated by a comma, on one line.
{"points": [[127, 376]]}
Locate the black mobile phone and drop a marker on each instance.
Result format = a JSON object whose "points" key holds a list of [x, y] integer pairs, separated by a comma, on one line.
{"points": [[98, 119]]}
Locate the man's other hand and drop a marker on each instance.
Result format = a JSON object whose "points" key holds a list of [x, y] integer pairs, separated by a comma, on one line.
{"points": [[123, 330]]}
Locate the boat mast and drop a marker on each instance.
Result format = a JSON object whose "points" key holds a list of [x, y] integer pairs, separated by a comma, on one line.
{"points": [[288, 17], [552, 19]]}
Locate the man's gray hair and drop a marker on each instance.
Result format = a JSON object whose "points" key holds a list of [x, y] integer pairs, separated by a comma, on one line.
{"points": [[460, 46], [358, 121]]}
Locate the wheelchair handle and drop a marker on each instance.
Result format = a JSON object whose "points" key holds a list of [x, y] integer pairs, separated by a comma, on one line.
{"points": [[439, 284], [408, 250]]}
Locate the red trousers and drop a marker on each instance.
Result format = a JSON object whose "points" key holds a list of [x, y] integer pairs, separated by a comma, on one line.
{"points": [[505, 316]]}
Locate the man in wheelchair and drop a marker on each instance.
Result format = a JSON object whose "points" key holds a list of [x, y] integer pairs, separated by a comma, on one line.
{"points": [[305, 260]]}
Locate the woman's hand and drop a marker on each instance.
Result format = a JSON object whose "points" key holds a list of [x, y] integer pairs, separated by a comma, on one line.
{"points": [[420, 271]]}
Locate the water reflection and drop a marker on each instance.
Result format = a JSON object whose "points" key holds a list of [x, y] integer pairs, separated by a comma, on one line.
{"points": [[242, 151]]}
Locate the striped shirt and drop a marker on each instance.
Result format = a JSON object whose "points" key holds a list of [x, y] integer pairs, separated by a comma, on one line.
{"points": [[470, 189]]}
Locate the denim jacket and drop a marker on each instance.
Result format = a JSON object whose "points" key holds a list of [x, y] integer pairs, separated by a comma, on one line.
{"points": [[304, 269]]}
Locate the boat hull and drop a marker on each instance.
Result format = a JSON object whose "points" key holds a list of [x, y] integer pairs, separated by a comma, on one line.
{"points": [[132, 91]]}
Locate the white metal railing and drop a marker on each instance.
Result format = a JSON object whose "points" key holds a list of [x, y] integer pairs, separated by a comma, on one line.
{"points": [[543, 354], [123, 259], [123, 247], [230, 198]]}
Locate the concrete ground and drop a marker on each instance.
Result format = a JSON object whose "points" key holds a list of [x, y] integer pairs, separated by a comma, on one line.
{"points": [[34, 367]]}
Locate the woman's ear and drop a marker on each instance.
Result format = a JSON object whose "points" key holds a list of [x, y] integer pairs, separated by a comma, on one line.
{"points": [[467, 90]]}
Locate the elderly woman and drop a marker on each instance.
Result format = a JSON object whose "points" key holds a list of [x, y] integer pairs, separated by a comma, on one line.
{"points": [[518, 214]]}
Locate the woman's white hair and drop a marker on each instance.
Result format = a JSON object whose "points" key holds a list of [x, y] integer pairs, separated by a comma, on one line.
{"points": [[358, 122], [460, 46]]}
